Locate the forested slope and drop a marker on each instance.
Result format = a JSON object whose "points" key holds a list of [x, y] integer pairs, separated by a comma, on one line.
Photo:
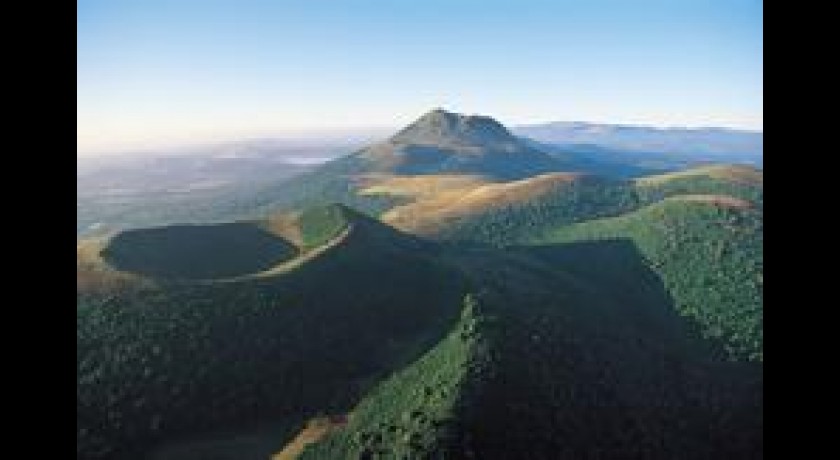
{"points": [[160, 363]]}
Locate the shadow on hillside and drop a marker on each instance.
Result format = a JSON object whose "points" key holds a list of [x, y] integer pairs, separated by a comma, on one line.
{"points": [[618, 271], [593, 357]]}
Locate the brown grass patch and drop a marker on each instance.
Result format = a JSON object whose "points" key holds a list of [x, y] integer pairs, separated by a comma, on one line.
{"points": [[284, 225], [418, 186], [507, 193], [733, 173], [442, 199], [723, 201], [94, 275], [316, 429], [289, 265]]}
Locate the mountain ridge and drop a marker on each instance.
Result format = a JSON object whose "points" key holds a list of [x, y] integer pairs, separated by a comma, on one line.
{"points": [[440, 141], [440, 127], [694, 144]]}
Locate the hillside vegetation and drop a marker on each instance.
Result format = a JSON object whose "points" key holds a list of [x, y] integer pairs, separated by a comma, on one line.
{"points": [[738, 181], [590, 360], [414, 413], [451, 292], [438, 201], [162, 363], [710, 257], [546, 361], [509, 218], [437, 143], [503, 222]]}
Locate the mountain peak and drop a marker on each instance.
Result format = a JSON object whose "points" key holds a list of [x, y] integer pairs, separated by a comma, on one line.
{"points": [[441, 127], [446, 142]]}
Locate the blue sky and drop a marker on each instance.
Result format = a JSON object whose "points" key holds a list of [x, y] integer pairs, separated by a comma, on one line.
{"points": [[156, 71]]}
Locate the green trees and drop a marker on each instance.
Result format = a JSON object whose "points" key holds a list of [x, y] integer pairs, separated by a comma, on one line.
{"points": [[320, 224], [709, 257], [159, 364], [413, 413], [587, 357], [604, 321], [587, 198]]}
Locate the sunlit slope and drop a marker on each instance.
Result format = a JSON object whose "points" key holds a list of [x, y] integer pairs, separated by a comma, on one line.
{"points": [[723, 172], [505, 213], [446, 144], [437, 143], [740, 181], [477, 210], [179, 359], [708, 251], [94, 275], [438, 201]]}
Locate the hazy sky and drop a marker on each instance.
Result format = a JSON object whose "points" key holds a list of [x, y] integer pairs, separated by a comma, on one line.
{"points": [[156, 71]]}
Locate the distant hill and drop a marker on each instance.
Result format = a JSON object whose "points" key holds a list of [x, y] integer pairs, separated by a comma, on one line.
{"points": [[646, 145], [437, 143], [505, 213], [244, 179], [247, 179], [444, 206], [446, 142]]}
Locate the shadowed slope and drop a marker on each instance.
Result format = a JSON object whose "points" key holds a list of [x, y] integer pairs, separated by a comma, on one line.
{"points": [[710, 257], [585, 371], [547, 362], [179, 360]]}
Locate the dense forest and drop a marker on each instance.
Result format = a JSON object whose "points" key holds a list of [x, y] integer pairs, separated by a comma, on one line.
{"points": [[545, 361], [566, 315], [413, 414], [586, 198], [584, 372], [710, 258], [158, 363]]}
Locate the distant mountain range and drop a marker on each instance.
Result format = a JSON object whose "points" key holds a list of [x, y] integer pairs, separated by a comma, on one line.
{"points": [[676, 144], [220, 181]]}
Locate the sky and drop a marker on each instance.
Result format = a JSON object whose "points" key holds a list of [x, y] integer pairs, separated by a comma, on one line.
{"points": [[158, 72]]}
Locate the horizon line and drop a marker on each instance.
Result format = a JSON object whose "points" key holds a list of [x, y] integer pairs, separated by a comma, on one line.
{"points": [[370, 131]]}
